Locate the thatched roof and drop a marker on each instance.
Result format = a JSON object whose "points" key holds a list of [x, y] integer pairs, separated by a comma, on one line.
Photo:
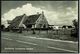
{"points": [[32, 19], [16, 21], [28, 20]]}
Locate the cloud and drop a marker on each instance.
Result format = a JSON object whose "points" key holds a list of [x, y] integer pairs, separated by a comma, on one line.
{"points": [[53, 17]]}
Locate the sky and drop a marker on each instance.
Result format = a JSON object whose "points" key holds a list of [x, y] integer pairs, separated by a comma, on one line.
{"points": [[56, 12]]}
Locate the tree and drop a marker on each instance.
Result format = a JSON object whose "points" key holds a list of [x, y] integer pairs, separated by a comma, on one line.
{"points": [[75, 32], [64, 26], [69, 26], [2, 27], [75, 23]]}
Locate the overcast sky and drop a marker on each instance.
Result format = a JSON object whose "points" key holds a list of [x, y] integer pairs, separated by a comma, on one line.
{"points": [[56, 12]]}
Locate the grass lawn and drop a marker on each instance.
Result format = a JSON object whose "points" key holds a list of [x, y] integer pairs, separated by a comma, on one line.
{"points": [[60, 34]]}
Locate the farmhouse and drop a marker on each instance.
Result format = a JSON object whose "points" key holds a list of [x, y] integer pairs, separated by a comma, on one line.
{"points": [[32, 21]]}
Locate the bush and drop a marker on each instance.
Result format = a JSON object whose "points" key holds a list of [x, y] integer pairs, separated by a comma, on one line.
{"points": [[75, 31]]}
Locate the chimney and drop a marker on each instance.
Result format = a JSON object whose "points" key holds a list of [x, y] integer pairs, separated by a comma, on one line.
{"points": [[24, 14], [37, 13], [43, 12]]}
